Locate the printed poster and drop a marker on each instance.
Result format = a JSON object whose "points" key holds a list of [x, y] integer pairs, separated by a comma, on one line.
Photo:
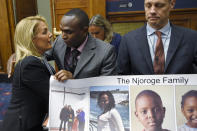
{"points": [[124, 103]]}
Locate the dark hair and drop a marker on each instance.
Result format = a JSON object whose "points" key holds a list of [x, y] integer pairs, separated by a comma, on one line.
{"points": [[80, 15], [191, 93], [148, 93], [111, 100]]}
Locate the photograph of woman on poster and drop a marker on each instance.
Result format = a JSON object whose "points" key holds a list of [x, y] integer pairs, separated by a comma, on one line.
{"points": [[109, 108], [110, 119]]}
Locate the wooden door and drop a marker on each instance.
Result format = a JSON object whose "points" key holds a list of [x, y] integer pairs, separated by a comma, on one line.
{"points": [[60, 7], [6, 33], [25, 8]]}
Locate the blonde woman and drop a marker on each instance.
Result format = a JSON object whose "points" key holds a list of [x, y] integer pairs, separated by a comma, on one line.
{"points": [[101, 28], [30, 93]]}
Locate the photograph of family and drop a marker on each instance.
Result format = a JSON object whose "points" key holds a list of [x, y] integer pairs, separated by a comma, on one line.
{"points": [[70, 109]]}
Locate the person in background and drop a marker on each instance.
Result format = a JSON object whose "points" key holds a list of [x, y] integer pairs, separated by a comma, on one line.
{"points": [[81, 119], [101, 28], [159, 47], [71, 116], [78, 54], [110, 119], [64, 116], [189, 110], [30, 93]]}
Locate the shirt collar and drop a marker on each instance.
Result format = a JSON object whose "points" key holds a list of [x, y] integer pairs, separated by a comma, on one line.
{"points": [[164, 30], [80, 48]]}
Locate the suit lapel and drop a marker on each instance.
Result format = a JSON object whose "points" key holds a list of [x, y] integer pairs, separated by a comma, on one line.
{"points": [[86, 55], [174, 43], [61, 46], [144, 48], [62, 54]]}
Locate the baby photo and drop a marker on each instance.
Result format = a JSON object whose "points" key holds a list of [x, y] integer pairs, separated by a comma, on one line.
{"points": [[152, 108], [186, 97]]}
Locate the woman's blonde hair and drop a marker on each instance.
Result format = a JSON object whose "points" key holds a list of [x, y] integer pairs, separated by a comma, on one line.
{"points": [[98, 20], [25, 31]]}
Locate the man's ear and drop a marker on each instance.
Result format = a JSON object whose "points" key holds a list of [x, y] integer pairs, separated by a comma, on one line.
{"points": [[85, 28], [34, 40], [182, 110], [136, 114], [164, 111], [172, 3]]}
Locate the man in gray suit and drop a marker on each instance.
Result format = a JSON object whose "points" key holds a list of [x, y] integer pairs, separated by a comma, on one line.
{"points": [[94, 57], [138, 48]]}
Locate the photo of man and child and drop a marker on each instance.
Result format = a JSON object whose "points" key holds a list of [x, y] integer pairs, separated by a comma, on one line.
{"points": [[162, 108]]}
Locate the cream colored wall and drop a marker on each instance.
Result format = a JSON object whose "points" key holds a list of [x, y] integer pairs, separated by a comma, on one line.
{"points": [[167, 95], [180, 91], [44, 10]]}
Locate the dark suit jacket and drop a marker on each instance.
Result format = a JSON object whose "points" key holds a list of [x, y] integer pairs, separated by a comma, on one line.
{"points": [[29, 102], [97, 58], [134, 55]]}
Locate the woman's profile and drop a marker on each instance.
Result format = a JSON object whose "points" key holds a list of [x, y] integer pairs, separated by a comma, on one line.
{"points": [[30, 93]]}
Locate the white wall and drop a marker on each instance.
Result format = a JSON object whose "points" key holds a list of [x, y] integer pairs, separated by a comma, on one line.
{"points": [[45, 11]]}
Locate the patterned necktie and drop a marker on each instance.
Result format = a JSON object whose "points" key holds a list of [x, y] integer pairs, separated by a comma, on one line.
{"points": [[73, 60], [159, 60]]}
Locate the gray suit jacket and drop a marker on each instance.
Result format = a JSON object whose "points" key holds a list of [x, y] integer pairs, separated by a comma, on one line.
{"points": [[96, 59], [134, 55]]}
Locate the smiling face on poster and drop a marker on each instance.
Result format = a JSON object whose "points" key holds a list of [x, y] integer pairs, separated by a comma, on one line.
{"points": [[109, 108], [186, 106]]}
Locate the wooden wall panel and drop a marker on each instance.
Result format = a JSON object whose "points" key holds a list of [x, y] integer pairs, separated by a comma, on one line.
{"points": [[5, 35], [97, 7], [182, 17], [25, 8], [60, 7]]}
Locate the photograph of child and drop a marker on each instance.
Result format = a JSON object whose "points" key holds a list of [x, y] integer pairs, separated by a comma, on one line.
{"points": [[151, 107], [186, 97], [109, 108]]}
